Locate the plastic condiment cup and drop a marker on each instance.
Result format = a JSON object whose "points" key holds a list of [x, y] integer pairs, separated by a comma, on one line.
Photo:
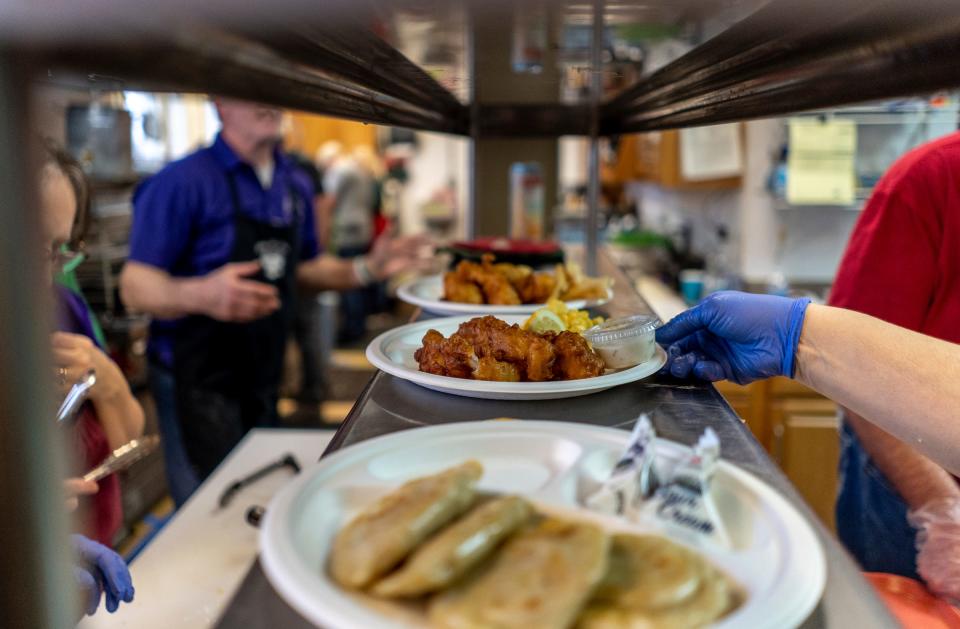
{"points": [[624, 342]]}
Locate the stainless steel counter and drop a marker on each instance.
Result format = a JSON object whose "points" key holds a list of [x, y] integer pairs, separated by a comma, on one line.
{"points": [[680, 411]]}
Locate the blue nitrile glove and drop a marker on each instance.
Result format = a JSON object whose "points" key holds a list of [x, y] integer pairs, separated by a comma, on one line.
{"points": [[735, 336], [107, 569], [90, 589]]}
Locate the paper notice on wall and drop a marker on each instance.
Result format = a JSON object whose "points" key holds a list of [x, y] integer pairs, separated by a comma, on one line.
{"points": [[820, 165], [710, 152]]}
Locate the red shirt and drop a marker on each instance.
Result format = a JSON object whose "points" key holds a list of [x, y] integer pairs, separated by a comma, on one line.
{"points": [[902, 263], [101, 514]]}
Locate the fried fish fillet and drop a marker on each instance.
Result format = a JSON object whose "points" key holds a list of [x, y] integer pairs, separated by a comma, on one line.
{"points": [[383, 534], [456, 549], [540, 579], [652, 583]]}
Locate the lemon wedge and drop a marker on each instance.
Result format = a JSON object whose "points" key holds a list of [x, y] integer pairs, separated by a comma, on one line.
{"points": [[544, 320]]}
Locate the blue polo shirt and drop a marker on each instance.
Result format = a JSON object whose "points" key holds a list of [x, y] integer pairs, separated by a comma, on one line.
{"points": [[183, 217]]}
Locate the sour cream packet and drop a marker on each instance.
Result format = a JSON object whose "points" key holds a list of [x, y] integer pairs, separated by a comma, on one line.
{"points": [[633, 477], [684, 502]]}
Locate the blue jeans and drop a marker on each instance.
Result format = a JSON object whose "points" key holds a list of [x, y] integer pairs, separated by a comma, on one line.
{"points": [[357, 303], [871, 515], [182, 480]]}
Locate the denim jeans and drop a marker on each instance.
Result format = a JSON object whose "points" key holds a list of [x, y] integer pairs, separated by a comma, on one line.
{"points": [[182, 480], [871, 515], [357, 303]]}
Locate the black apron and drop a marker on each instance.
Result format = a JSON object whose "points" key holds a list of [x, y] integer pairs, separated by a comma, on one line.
{"points": [[228, 374]]}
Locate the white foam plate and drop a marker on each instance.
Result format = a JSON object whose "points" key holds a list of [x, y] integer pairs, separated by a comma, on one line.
{"points": [[776, 559], [427, 293], [393, 352]]}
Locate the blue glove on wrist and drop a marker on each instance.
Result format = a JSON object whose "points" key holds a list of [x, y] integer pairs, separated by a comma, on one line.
{"points": [[735, 336], [90, 589], [101, 569]]}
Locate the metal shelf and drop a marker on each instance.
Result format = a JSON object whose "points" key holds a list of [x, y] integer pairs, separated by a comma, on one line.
{"points": [[795, 55], [787, 56], [349, 73]]}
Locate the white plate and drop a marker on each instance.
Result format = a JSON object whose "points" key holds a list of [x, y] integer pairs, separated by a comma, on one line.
{"points": [[393, 352], [427, 293], [776, 559]]}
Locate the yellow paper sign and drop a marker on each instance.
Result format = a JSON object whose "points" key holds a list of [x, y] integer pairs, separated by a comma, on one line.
{"points": [[820, 166]]}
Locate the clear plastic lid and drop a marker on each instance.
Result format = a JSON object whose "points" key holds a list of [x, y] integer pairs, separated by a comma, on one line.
{"points": [[624, 328]]}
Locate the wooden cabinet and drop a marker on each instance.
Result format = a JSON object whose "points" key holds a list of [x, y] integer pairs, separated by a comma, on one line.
{"points": [[308, 132], [800, 430], [807, 448], [655, 157]]}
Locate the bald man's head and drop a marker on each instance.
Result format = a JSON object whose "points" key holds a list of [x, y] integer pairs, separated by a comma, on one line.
{"points": [[256, 124]]}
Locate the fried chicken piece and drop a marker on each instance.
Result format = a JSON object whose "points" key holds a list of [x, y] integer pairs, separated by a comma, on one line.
{"points": [[459, 290], [517, 274], [496, 370], [477, 331], [575, 358], [497, 289], [466, 269], [446, 357], [537, 288], [489, 336]]}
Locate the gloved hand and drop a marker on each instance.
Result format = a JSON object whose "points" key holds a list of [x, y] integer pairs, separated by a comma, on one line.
{"points": [[90, 589], [735, 336], [938, 546], [101, 569]]}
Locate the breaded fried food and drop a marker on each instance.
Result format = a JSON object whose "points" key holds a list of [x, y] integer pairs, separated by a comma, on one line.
{"points": [[384, 534], [591, 288], [513, 284], [575, 358], [579, 286], [537, 288], [540, 579], [496, 288], [515, 273], [489, 336], [457, 289], [561, 282], [495, 370], [456, 549], [452, 356]]}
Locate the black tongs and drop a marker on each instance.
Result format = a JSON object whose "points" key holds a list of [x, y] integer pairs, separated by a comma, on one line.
{"points": [[288, 460]]}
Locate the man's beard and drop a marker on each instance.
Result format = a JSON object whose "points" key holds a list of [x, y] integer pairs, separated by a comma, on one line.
{"points": [[270, 142]]}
